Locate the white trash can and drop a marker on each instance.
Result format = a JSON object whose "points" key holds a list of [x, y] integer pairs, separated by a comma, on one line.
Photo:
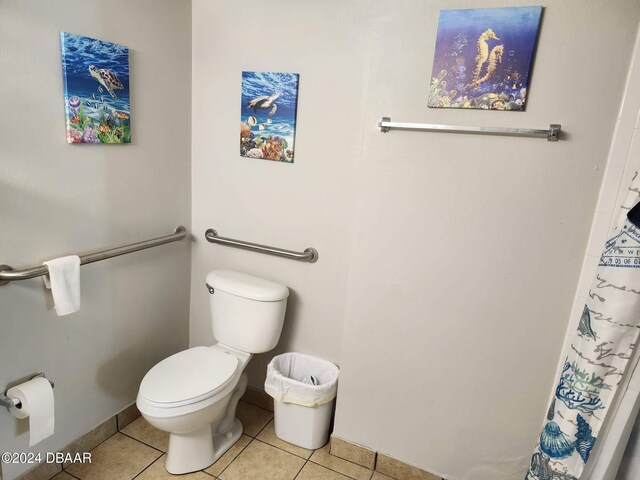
{"points": [[304, 389]]}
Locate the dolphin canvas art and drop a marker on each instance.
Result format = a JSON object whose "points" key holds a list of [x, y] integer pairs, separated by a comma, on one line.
{"points": [[268, 115], [483, 58], [96, 90]]}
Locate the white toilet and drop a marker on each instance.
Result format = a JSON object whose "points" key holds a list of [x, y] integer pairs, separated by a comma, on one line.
{"points": [[193, 394]]}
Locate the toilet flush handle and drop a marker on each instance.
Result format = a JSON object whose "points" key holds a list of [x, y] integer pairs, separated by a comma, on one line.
{"points": [[210, 288]]}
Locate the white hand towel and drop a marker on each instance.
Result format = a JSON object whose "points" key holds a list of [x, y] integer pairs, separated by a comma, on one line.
{"points": [[64, 282]]}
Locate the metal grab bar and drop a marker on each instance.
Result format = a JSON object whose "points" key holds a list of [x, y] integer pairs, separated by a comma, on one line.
{"points": [[309, 255], [8, 274], [552, 134]]}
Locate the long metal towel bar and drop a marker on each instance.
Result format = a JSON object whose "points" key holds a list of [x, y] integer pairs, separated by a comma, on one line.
{"points": [[309, 255], [551, 134], [8, 274]]}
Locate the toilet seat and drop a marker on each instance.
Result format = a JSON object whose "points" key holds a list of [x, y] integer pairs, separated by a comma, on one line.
{"points": [[188, 377]]}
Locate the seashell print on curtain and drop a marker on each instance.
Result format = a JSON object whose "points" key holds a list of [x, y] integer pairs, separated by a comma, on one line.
{"points": [[607, 333]]}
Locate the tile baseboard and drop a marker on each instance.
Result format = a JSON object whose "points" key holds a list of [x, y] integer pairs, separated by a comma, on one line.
{"points": [[259, 398], [87, 442], [378, 461], [126, 416], [398, 469], [43, 471], [352, 452], [92, 439]]}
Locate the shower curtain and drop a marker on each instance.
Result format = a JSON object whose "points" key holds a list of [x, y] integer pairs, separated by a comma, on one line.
{"points": [[600, 355]]}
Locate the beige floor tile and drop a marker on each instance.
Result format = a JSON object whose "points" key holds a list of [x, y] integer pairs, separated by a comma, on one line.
{"points": [[260, 461], [324, 458], [118, 458], [253, 418], [381, 476], [63, 476], [141, 430], [228, 457], [158, 472], [313, 471], [91, 440], [268, 435], [397, 469]]}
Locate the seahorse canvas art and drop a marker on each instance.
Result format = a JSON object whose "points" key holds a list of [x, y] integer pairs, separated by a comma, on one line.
{"points": [[483, 58]]}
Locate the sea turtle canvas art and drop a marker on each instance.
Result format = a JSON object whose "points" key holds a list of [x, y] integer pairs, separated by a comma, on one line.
{"points": [[96, 90], [483, 58], [268, 115]]}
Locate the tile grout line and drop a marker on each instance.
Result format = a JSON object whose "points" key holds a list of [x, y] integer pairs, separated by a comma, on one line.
{"points": [[305, 459], [146, 468], [286, 451], [64, 469], [253, 438], [301, 468], [144, 443], [73, 476], [234, 458], [257, 439], [373, 470], [339, 473]]}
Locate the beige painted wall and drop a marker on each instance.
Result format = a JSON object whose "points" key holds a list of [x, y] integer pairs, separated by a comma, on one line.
{"points": [[448, 263], [473, 245], [309, 203], [58, 199]]}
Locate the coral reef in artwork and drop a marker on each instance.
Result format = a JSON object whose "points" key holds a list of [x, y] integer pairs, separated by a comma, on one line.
{"points": [[483, 58], [268, 115], [96, 84]]}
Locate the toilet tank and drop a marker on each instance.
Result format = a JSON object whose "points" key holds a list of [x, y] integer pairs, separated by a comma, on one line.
{"points": [[247, 312]]}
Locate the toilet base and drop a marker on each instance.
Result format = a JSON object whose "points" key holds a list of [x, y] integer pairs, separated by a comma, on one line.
{"points": [[189, 452], [196, 450], [224, 441]]}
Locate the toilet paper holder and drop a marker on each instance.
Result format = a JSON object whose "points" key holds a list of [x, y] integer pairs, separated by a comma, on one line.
{"points": [[14, 402]]}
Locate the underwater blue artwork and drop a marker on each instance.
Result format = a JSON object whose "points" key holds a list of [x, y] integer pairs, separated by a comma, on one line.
{"points": [[483, 58], [96, 90], [268, 115]]}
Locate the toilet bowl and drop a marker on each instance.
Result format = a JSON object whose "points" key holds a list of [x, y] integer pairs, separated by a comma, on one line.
{"points": [[193, 394]]}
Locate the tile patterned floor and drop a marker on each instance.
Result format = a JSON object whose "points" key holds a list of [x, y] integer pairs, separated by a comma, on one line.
{"points": [[138, 452]]}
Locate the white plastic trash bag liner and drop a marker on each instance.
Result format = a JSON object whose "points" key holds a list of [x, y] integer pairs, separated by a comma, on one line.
{"points": [[290, 378]]}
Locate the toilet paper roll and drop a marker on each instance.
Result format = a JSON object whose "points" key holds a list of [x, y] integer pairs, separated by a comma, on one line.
{"points": [[36, 398]]}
